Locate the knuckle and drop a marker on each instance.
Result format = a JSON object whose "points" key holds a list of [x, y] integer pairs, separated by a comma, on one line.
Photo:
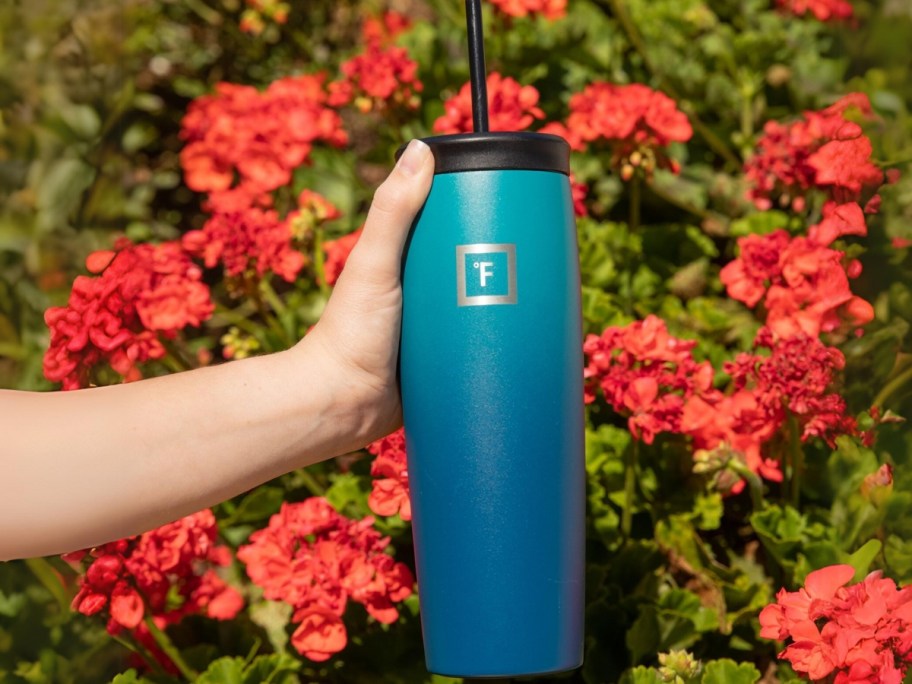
{"points": [[388, 197]]}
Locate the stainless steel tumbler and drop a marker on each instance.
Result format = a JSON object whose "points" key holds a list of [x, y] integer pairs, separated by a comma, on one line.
{"points": [[491, 376]]}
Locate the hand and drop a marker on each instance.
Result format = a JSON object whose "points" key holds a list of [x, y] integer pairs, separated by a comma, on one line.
{"points": [[358, 333]]}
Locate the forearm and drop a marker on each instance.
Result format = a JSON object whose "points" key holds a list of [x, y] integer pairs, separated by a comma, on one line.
{"points": [[139, 455]]}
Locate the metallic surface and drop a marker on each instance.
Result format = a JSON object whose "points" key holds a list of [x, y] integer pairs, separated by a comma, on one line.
{"points": [[493, 407]]}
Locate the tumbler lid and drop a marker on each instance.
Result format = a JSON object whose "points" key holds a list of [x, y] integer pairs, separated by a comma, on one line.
{"points": [[498, 150]]}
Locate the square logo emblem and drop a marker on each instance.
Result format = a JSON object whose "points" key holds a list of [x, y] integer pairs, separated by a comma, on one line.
{"points": [[485, 274]]}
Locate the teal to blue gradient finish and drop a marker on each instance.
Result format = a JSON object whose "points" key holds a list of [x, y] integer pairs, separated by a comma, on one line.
{"points": [[493, 408]]}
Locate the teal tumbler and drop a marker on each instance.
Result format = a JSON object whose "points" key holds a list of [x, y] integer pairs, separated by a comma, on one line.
{"points": [[491, 370]]}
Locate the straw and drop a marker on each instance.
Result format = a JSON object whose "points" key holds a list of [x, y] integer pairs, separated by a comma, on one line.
{"points": [[477, 66]]}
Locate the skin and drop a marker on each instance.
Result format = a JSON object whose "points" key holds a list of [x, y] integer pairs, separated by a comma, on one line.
{"points": [[87, 467]]}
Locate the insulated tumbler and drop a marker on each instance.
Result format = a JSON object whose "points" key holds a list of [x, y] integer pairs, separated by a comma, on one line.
{"points": [[491, 376]]}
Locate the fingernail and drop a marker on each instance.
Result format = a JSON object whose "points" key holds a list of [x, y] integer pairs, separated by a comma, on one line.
{"points": [[414, 157]]}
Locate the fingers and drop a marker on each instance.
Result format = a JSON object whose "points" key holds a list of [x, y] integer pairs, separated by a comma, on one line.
{"points": [[378, 255]]}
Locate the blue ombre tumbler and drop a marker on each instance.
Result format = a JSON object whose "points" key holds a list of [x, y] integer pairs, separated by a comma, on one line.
{"points": [[491, 372]]}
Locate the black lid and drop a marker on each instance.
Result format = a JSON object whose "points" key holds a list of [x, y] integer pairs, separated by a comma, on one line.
{"points": [[500, 150]]}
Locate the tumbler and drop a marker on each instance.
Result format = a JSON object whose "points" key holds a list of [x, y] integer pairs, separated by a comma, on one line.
{"points": [[491, 371]]}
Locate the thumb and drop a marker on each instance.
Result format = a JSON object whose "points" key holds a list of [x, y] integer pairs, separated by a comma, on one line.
{"points": [[377, 256]]}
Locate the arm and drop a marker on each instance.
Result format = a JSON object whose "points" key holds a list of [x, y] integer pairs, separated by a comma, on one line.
{"points": [[81, 468]]}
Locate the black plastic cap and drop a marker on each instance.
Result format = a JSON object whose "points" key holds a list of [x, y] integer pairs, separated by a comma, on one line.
{"points": [[495, 151]]}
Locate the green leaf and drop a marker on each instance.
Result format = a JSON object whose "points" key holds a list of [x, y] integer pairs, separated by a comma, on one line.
{"points": [[727, 671], [760, 223], [276, 668], [261, 503], [348, 490], [223, 671], [861, 560]]}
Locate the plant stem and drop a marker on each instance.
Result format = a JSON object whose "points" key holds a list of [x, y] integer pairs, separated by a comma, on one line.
{"points": [[630, 472], [754, 484], [635, 202], [140, 650], [636, 41], [320, 262], [311, 483], [679, 203], [46, 574], [895, 384], [272, 298], [165, 644], [177, 355]]}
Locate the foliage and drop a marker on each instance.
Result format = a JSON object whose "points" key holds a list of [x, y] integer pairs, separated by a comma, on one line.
{"points": [[744, 234]]}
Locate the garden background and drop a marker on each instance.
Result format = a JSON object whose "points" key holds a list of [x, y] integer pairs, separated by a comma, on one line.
{"points": [[745, 224]]}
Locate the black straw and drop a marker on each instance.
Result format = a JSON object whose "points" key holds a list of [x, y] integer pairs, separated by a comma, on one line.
{"points": [[477, 66]]}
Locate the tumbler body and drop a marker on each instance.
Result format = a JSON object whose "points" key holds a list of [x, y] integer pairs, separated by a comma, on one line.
{"points": [[491, 376]]}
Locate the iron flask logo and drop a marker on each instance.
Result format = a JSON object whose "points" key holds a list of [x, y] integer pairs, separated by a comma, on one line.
{"points": [[485, 274]]}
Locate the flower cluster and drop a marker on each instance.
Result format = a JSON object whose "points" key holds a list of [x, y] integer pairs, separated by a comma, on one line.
{"points": [[549, 9], [384, 29], [167, 574], [636, 121], [251, 237], [802, 282], [653, 379], [242, 136], [380, 77], [315, 559], [824, 150], [824, 10], [861, 633], [253, 19], [142, 294], [646, 374], [390, 492], [511, 107], [793, 380]]}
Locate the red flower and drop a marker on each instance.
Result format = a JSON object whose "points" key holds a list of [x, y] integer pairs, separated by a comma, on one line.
{"points": [[844, 168], [578, 192], [511, 107], [390, 492], [856, 633], [314, 559], [748, 277], [824, 10], [823, 150], [320, 634], [549, 9], [143, 293], [646, 374], [636, 122], [803, 284], [796, 377], [167, 572], [838, 220], [379, 77], [257, 138], [385, 28], [244, 238], [337, 252]]}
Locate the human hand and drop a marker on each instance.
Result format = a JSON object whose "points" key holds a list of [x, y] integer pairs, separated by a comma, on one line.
{"points": [[358, 334]]}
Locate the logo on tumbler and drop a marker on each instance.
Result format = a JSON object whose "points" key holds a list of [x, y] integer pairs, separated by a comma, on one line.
{"points": [[485, 274]]}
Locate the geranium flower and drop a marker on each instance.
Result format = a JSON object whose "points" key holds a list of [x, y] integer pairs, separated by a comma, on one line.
{"points": [[316, 560], [856, 633], [511, 107], [390, 490], [635, 121], [142, 293]]}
